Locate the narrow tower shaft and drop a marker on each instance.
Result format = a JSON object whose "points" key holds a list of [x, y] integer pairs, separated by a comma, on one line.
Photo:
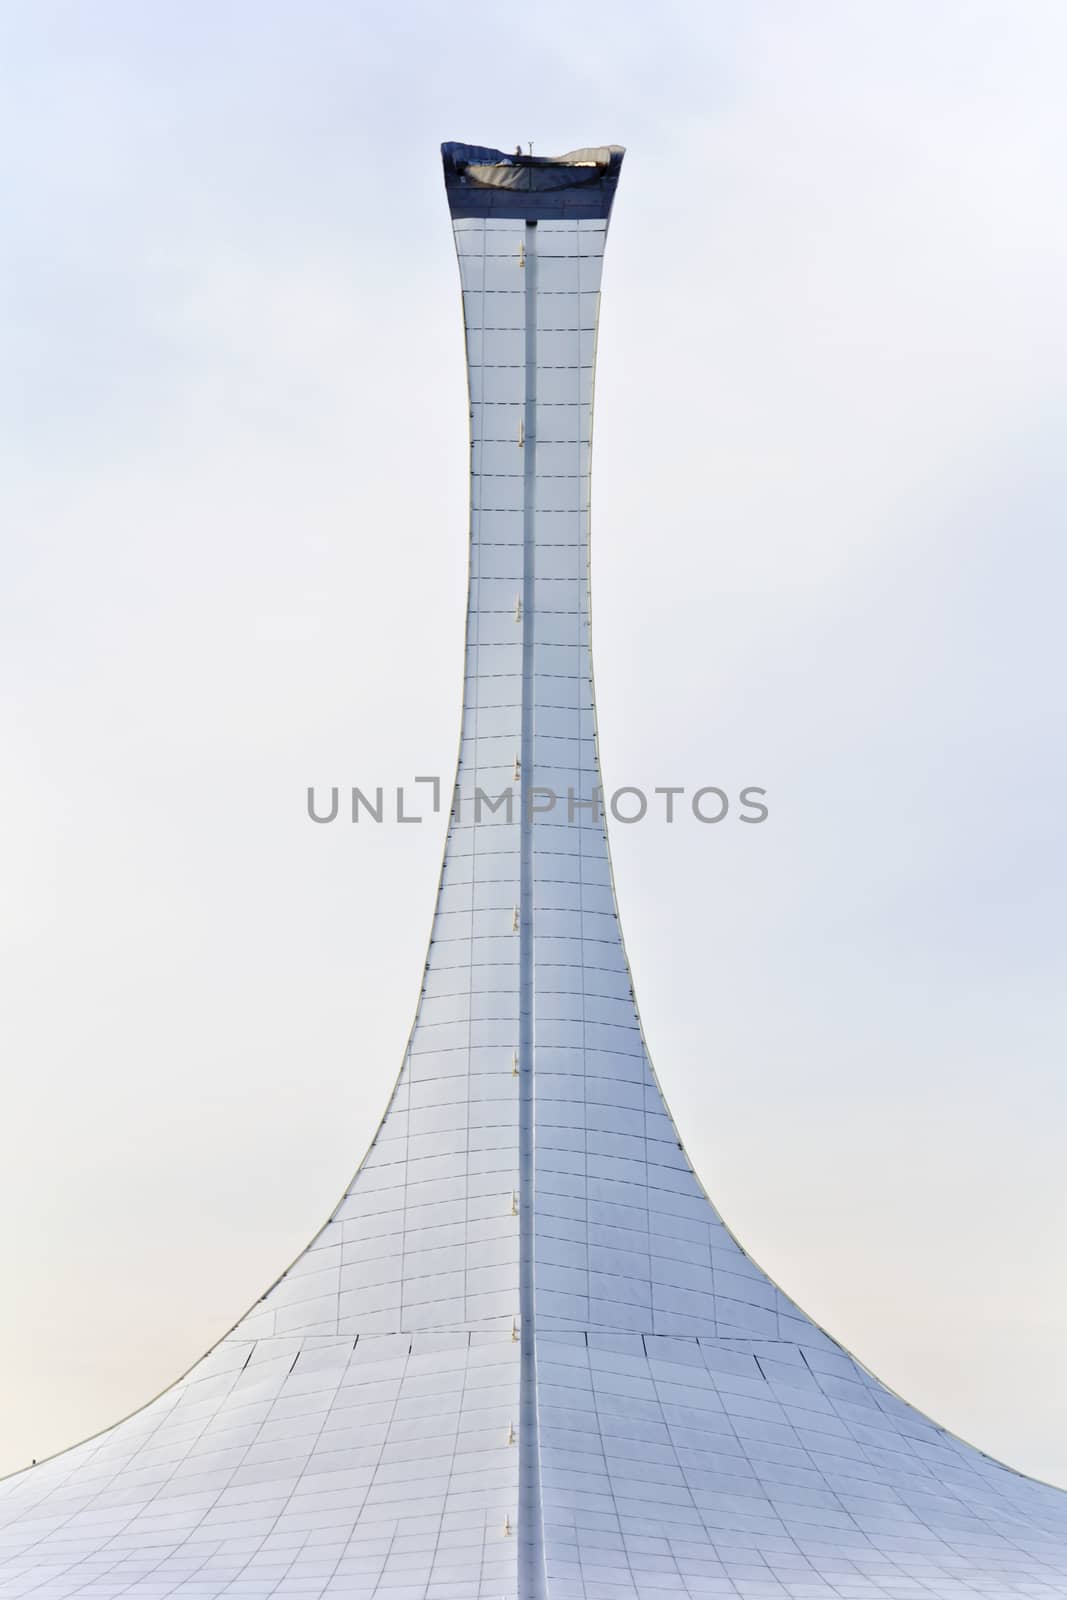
{"points": [[531, 288]]}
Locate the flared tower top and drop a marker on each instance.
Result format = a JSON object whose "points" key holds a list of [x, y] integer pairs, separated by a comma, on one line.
{"points": [[482, 182]]}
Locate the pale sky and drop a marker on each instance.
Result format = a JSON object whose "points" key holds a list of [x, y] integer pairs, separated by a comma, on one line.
{"points": [[828, 559]]}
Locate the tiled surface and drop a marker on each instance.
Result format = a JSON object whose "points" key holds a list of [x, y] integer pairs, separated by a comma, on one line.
{"points": [[301, 1465], [359, 1432]]}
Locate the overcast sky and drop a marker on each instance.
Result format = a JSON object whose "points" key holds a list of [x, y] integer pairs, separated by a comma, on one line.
{"points": [[829, 559]]}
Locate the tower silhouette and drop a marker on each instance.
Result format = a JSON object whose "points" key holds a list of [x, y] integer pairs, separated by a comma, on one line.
{"points": [[525, 1357]]}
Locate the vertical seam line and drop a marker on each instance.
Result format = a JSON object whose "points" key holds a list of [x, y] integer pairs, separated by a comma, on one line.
{"points": [[530, 1529]]}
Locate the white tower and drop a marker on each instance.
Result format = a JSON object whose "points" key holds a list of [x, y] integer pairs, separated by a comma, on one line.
{"points": [[524, 1357]]}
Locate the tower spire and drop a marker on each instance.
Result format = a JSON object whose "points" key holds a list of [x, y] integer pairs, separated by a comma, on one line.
{"points": [[525, 1238]]}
